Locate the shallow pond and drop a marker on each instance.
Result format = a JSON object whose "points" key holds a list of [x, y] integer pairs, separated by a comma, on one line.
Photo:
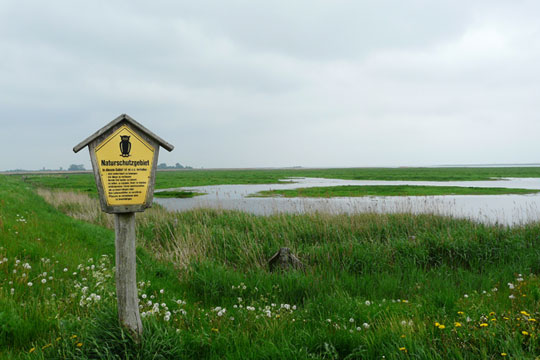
{"points": [[502, 209]]}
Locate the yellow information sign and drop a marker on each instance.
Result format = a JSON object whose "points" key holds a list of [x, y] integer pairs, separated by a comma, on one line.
{"points": [[125, 162]]}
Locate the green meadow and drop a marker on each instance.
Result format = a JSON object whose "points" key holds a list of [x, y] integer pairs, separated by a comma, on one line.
{"points": [[374, 286], [184, 178], [389, 190]]}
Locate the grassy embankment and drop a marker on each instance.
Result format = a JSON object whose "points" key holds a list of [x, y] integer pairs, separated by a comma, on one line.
{"points": [[185, 178], [389, 190], [397, 286]]}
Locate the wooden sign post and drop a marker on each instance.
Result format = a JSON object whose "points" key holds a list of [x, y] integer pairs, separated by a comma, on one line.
{"points": [[124, 156]]}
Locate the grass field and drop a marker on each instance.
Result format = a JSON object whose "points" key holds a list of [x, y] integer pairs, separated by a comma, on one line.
{"points": [[177, 194], [399, 286], [389, 190], [184, 178]]}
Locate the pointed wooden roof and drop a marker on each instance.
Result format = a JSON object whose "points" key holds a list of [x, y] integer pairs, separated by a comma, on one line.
{"points": [[132, 122]]}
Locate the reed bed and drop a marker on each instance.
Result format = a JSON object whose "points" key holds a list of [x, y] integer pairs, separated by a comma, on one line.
{"points": [[392, 286]]}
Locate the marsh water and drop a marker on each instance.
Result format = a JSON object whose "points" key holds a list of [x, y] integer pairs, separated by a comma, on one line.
{"points": [[501, 209]]}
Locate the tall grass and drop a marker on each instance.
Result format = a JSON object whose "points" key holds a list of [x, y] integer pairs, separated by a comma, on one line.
{"points": [[397, 286]]}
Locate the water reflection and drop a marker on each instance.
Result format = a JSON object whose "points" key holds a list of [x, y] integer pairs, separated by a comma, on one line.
{"points": [[502, 209]]}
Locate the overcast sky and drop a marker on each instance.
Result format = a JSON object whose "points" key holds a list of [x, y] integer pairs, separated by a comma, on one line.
{"points": [[274, 83]]}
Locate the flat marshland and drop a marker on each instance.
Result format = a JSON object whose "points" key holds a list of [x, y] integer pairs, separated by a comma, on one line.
{"points": [[374, 286], [390, 190], [186, 178]]}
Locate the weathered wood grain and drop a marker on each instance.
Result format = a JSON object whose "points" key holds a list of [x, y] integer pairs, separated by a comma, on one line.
{"points": [[126, 278]]}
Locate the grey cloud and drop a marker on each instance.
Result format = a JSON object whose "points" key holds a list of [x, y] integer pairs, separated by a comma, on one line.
{"points": [[237, 83]]}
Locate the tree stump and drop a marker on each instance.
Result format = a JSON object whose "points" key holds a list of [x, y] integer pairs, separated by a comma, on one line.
{"points": [[284, 259]]}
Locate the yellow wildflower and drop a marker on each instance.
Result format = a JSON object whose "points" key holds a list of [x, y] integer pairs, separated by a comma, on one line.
{"points": [[215, 330], [483, 324], [437, 324], [504, 354], [524, 313], [493, 319], [532, 319], [460, 312], [79, 344], [403, 349], [73, 336], [525, 333], [457, 324], [442, 327], [492, 313]]}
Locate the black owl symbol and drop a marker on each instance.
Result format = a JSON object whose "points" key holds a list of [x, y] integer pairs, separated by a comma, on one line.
{"points": [[125, 145]]}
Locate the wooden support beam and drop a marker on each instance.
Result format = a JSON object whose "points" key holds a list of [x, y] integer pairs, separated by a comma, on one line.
{"points": [[126, 277]]}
